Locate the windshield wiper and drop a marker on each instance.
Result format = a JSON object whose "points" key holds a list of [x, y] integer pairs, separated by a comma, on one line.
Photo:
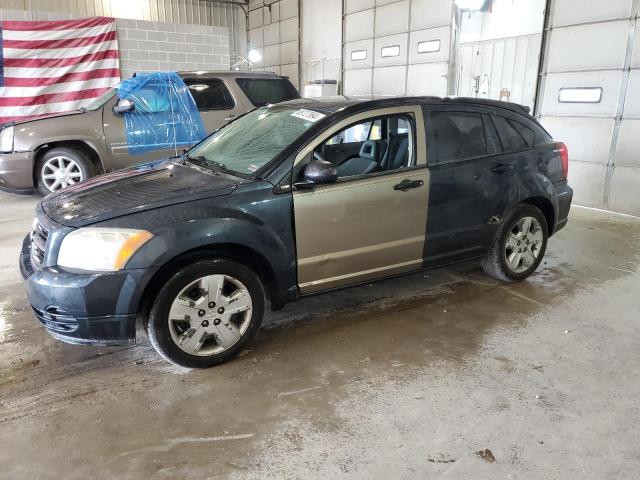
{"points": [[205, 162]]}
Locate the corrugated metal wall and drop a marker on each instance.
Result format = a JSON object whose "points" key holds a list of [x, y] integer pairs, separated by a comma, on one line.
{"points": [[172, 11]]}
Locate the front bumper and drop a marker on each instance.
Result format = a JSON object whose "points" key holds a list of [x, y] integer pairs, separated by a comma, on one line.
{"points": [[16, 172], [89, 308]]}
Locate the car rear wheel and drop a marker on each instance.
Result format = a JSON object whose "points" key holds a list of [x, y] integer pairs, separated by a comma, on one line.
{"points": [[519, 245], [62, 167], [206, 313]]}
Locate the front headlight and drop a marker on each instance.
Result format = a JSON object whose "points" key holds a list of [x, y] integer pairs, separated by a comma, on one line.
{"points": [[6, 140], [100, 249]]}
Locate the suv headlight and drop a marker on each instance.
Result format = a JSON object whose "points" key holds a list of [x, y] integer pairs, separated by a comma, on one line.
{"points": [[6, 140], [100, 249]]}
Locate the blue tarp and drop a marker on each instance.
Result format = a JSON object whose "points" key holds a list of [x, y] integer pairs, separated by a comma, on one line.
{"points": [[165, 114]]}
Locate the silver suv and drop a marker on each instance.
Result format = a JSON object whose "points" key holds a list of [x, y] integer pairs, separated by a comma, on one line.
{"points": [[51, 153]]}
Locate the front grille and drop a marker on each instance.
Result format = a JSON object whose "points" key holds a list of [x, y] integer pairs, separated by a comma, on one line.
{"points": [[39, 236], [56, 319]]}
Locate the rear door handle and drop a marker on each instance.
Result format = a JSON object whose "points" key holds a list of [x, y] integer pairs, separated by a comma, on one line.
{"points": [[406, 184], [502, 167], [229, 118]]}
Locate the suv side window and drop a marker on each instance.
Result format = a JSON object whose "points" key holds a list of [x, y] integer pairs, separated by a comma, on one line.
{"points": [[514, 135], [210, 94], [458, 135], [262, 91]]}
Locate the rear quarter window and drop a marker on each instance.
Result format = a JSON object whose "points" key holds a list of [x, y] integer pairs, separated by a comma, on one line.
{"points": [[210, 94], [513, 134], [262, 91]]}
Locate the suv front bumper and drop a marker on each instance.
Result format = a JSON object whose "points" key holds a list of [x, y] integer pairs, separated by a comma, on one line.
{"points": [[88, 308]]}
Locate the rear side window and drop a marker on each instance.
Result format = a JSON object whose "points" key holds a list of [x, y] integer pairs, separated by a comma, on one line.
{"points": [[262, 91], [210, 94], [458, 135], [514, 135]]}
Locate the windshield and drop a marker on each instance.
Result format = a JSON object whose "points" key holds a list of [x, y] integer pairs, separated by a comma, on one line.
{"points": [[98, 102], [252, 141]]}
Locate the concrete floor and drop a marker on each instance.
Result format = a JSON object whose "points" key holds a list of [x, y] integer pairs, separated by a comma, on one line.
{"points": [[444, 374]]}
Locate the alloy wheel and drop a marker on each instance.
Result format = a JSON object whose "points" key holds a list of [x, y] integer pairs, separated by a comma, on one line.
{"points": [[60, 172], [523, 244], [210, 315]]}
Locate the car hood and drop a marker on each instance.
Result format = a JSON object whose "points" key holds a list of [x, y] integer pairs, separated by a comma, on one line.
{"points": [[136, 189], [48, 116]]}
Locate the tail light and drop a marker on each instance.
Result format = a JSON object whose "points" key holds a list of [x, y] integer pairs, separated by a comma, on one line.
{"points": [[561, 149]]}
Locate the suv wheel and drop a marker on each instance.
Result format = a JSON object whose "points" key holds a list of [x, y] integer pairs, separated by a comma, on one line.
{"points": [[206, 313], [61, 167], [519, 245]]}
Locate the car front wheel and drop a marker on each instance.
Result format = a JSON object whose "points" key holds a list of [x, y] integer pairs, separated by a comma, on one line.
{"points": [[519, 245], [206, 313], [62, 167]]}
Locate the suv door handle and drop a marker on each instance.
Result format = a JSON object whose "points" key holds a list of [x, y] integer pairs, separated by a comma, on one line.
{"points": [[406, 184], [502, 167], [230, 117]]}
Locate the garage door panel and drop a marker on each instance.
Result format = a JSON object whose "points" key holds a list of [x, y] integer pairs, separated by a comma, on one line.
{"points": [[392, 18], [569, 12], [635, 59], [427, 79], [389, 80], [290, 71], [625, 194], [289, 52], [354, 50], [359, 26], [357, 82], [632, 99], [588, 139], [430, 13], [428, 39], [609, 81], [393, 44], [289, 30], [272, 34], [587, 47], [358, 5], [587, 180], [255, 18], [272, 55], [272, 15], [288, 9], [628, 148], [256, 38]]}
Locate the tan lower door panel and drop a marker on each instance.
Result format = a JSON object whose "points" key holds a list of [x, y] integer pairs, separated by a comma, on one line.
{"points": [[359, 230]]}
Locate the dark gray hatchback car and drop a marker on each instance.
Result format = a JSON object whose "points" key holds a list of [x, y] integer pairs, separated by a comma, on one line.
{"points": [[291, 200]]}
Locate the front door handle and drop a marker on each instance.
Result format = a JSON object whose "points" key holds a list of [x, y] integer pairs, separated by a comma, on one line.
{"points": [[406, 184], [502, 167]]}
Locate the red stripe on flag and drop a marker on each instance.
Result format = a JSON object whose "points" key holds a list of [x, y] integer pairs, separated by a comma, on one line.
{"points": [[64, 43], [69, 77], [57, 24], [51, 98], [59, 62]]}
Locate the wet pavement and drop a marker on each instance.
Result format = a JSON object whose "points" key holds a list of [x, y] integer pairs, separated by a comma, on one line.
{"points": [[442, 374]]}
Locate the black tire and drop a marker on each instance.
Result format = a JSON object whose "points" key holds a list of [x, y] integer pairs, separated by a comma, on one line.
{"points": [[157, 323], [86, 166], [495, 262]]}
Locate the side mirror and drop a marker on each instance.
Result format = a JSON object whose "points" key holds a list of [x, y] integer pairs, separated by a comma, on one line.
{"points": [[123, 106], [318, 172]]}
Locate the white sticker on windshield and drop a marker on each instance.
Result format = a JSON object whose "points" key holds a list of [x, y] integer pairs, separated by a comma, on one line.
{"points": [[308, 115]]}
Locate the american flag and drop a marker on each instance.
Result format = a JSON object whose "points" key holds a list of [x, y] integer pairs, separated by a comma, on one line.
{"points": [[55, 66]]}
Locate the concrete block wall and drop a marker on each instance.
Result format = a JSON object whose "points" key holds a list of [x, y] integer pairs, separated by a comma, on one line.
{"points": [[151, 46], [147, 46]]}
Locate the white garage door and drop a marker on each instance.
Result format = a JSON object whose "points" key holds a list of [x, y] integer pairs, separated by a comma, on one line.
{"points": [[273, 31], [397, 47], [590, 98]]}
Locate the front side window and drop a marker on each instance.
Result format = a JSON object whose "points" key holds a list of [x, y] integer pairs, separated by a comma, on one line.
{"points": [[458, 135], [514, 135], [375, 145], [262, 91], [250, 142], [210, 94]]}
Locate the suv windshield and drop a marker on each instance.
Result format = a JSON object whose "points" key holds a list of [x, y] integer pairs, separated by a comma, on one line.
{"points": [[98, 102], [252, 141], [262, 91]]}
